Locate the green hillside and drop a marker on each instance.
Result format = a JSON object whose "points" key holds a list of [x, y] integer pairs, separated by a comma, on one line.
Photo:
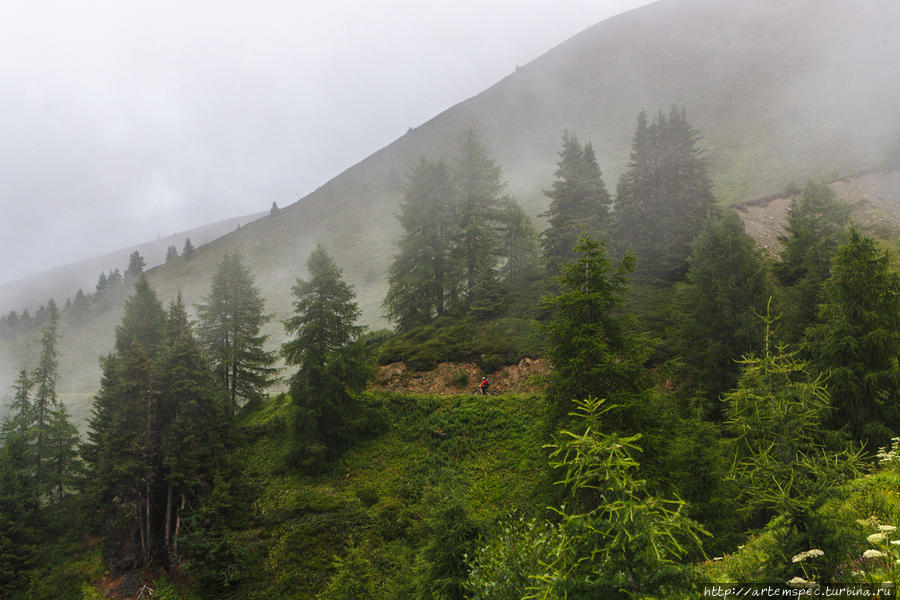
{"points": [[780, 92]]}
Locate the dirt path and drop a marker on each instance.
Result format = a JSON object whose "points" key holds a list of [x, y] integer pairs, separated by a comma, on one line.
{"points": [[460, 378]]}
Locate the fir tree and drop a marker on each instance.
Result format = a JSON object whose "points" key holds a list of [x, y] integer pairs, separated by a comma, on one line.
{"points": [[578, 202], [617, 540], [857, 341], [171, 253], [330, 368], [423, 277], [136, 266], [592, 349], [44, 380], [664, 198], [192, 418], [81, 305], [782, 460], [229, 330], [478, 209], [20, 412], [61, 451], [816, 227], [122, 453], [188, 250], [726, 286], [102, 284], [114, 278], [18, 518], [155, 436], [518, 244]]}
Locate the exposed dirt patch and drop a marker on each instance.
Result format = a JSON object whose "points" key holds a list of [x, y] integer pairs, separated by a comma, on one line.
{"points": [[460, 378], [874, 196]]}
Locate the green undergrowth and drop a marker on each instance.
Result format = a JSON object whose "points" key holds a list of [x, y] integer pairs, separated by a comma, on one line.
{"points": [[865, 503], [489, 344], [374, 509]]}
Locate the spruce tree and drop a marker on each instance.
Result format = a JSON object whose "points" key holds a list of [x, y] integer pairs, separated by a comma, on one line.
{"points": [[171, 253], [81, 305], [188, 250], [816, 227], [330, 367], [18, 518], [136, 265], [578, 201], [102, 284], [782, 460], [478, 209], [518, 244], [664, 198], [423, 279], [857, 341], [229, 330], [716, 306], [20, 412], [591, 346], [44, 380], [192, 418], [122, 453]]}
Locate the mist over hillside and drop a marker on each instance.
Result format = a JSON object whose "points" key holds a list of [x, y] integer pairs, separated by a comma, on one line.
{"points": [[780, 91]]}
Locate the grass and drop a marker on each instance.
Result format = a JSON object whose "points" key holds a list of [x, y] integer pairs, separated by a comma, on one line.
{"points": [[376, 496]]}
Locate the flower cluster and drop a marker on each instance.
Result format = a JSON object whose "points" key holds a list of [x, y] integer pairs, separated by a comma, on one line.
{"points": [[808, 554], [890, 454]]}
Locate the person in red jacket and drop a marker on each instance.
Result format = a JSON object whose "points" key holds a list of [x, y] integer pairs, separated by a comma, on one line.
{"points": [[484, 385]]}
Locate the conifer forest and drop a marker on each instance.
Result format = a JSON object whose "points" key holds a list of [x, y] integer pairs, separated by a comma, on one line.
{"points": [[624, 395]]}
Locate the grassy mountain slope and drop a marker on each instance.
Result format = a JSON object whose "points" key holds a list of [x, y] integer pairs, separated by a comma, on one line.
{"points": [[63, 282], [484, 453], [780, 90]]}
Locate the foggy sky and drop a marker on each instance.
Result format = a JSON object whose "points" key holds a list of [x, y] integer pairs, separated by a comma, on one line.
{"points": [[121, 122]]}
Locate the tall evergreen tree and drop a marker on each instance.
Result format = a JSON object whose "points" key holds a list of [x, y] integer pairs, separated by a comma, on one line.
{"points": [[664, 198], [782, 460], [578, 201], [726, 285], [330, 368], [518, 244], [20, 412], [155, 433], [61, 451], [123, 449], [229, 330], [478, 210], [193, 419], [44, 379], [816, 227], [423, 278], [18, 518], [591, 346], [80, 305], [857, 340], [102, 284], [136, 265], [188, 250], [171, 253]]}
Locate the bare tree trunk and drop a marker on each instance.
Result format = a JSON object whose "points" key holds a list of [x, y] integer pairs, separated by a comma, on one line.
{"points": [[178, 524], [139, 510], [149, 538], [168, 515]]}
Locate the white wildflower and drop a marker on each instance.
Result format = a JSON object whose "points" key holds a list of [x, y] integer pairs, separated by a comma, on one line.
{"points": [[875, 538], [887, 528], [797, 581], [871, 553]]}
